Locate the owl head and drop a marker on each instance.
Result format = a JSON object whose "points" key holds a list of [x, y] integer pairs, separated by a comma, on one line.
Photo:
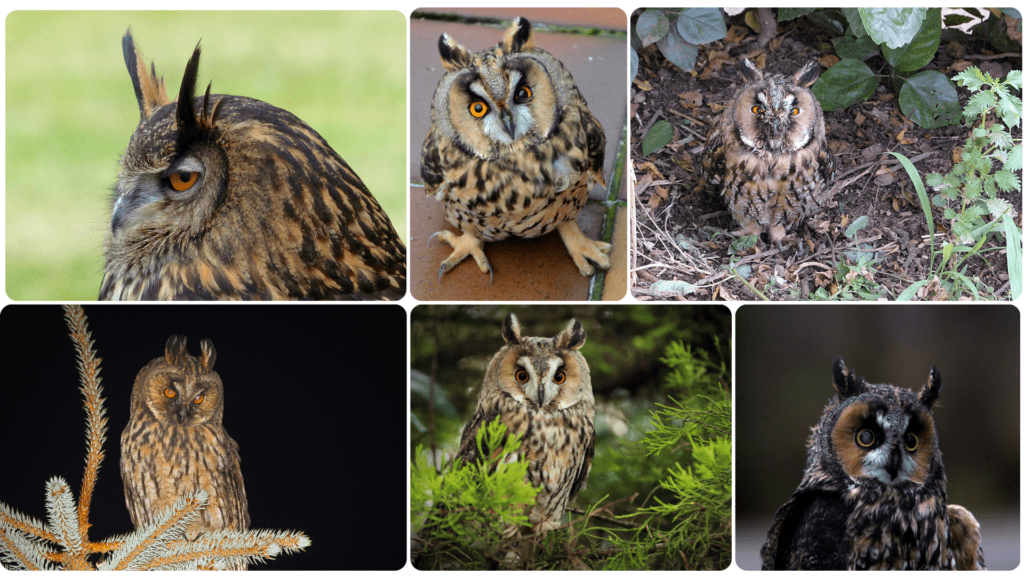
{"points": [[502, 99], [541, 373], [777, 113], [179, 389], [878, 432]]}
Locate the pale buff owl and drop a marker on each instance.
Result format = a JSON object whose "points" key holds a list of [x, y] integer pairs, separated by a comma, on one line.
{"points": [[767, 153], [513, 150]]}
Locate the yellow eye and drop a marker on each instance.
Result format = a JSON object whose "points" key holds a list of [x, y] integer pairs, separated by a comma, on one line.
{"points": [[522, 376], [757, 110], [865, 438], [478, 109], [199, 399], [169, 393], [796, 110], [911, 442], [183, 179], [559, 377], [523, 93]]}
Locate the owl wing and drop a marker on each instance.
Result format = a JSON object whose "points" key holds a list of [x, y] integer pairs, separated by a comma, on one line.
{"points": [[826, 163], [468, 451], [808, 533], [595, 143], [430, 164], [965, 539], [581, 479], [711, 164]]}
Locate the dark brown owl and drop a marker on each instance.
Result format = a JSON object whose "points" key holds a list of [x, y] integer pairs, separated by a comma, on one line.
{"points": [[227, 197], [540, 388], [512, 150], [873, 495], [767, 152], [175, 444]]}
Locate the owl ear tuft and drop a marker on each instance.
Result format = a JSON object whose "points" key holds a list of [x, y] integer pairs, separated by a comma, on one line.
{"points": [[750, 71], [518, 37], [930, 391], [807, 75], [176, 350], [573, 337], [510, 330], [844, 380], [149, 90], [187, 93], [208, 356], [454, 56]]}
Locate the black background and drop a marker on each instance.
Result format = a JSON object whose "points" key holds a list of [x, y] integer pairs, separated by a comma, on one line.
{"points": [[315, 396]]}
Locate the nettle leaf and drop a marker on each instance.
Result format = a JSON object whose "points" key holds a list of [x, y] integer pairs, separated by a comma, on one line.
{"points": [[1014, 79], [860, 48], [657, 137], [1009, 110], [791, 13], [971, 78], [893, 27], [678, 51], [652, 26], [1013, 159], [979, 103], [919, 51], [929, 99], [701, 25], [1007, 180], [848, 82], [856, 25]]}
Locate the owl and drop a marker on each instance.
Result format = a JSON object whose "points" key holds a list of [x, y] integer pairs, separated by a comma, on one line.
{"points": [[175, 444], [227, 197], [512, 150], [873, 495], [540, 388], [767, 152]]}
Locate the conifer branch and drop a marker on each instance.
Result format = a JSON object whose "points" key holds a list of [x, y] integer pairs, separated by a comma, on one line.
{"points": [[34, 529]]}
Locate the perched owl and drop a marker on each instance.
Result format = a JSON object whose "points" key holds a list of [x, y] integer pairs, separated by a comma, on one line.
{"points": [[226, 197], [512, 150], [175, 445], [767, 152], [540, 388], [873, 495]]}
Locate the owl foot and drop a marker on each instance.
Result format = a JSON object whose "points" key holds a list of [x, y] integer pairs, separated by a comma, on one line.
{"points": [[586, 253], [464, 245]]}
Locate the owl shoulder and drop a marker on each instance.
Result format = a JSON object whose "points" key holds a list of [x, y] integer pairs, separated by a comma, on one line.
{"points": [[431, 168], [808, 533]]}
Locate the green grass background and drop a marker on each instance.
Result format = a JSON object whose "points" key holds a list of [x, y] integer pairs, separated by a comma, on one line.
{"points": [[70, 111]]}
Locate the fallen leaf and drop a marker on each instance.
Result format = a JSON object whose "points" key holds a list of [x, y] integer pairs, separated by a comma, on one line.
{"points": [[642, 84], [750, 19], [828, 60], [859, 119], [692, 99]]}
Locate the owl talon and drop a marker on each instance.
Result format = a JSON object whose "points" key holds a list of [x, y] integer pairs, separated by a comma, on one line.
{"points": [[464, 245], [587, 254]]}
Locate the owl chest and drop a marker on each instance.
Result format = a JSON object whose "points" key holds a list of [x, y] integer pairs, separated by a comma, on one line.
{"points": [[898, 530], [554, 444]]}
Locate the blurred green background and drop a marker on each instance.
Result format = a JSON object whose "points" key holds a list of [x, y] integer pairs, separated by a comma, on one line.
{"points": [[71, 111]]}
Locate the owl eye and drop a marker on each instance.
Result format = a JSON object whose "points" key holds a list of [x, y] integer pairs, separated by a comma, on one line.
{"points": [[796, 110], [182, 180], [911, 442], [757, 110], [522, 376], [199, 399], [478, 109], [523, 94], [169, 393], [559, 377], [865, 438]]}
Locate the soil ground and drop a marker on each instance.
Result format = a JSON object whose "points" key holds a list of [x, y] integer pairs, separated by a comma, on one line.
{"points": [[683, 247]]}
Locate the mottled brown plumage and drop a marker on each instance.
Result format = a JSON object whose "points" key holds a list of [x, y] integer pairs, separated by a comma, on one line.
{"points": [[767, 153], [873, 495], [227, 197], [540, 388], [512, 149], [175, 443]]}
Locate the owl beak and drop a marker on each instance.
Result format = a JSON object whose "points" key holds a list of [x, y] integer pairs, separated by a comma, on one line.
{"points": [[540, 395], [508, 122], [893, 464]]}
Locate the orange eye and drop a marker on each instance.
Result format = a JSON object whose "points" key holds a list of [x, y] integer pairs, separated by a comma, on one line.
{"points": [[795, 111], [199, 399], [757, 110], [523, 93], [169, 393], [183, 179], [522, 376], [559, 377], [478, 109]]}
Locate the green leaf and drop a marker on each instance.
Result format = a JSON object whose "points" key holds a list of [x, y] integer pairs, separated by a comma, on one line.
{"points": [[1014, 79], [1009, 110], [856, 226], [860, 48], [929, 99], [831, 20], [673, 287], [848, 82], [979, 103], [893, 27], [911, 291], [1013, 256], [634, 63], [1007, 180], [1013, 159], [657, 137], [956, 20], [678, 51], [921, 50], [922, 196], [701, 25], [791, 13], [651, 26], [971, 78], [856, 25]]}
